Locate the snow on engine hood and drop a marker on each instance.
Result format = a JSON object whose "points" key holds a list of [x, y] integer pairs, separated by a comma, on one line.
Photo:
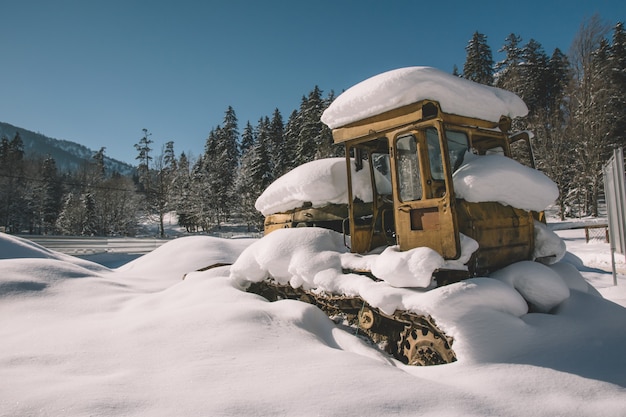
{"points": [[497, 178], [479, 179], [393, 89], [319, 182]]}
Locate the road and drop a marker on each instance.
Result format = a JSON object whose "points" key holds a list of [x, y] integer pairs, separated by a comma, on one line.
{"points": [[96, 245]]}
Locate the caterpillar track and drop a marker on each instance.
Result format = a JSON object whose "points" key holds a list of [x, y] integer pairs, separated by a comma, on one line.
{"points": [[411, 338]]}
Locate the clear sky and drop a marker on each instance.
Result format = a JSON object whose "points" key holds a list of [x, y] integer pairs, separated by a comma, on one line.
{"points": [[98, 72]]}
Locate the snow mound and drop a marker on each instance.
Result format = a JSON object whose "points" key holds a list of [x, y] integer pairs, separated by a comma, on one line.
{"points": [[497, 178], [314, 258], [14, 247], [541, 286], [319, 182], [192, 253], [549, 247], [400, 87], [481, 178]]}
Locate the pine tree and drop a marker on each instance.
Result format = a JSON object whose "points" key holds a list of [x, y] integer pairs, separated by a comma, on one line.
{"points": [[292, 133], [247, 139], [508, 71], [249, 184], [143, 169], [617, 99], [98, 158], [50, 194], [169, 157], [260, 164], [198, 210], [220, 162], [478, 65], [534, 77], [327, 147], [14, 210], [558, 78], [165, 169], [183, 196], [313, 135], [276, 142], [72, 216]]}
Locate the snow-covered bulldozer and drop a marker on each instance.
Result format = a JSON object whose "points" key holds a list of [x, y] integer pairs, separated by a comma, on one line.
{"points": [[427, 162], [411, 152]]}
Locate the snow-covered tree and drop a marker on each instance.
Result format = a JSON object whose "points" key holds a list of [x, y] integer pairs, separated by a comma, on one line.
{"points": [[478, 65], [276, 141], [508, 71], [291, 138], [617, 77], [587, 113]]}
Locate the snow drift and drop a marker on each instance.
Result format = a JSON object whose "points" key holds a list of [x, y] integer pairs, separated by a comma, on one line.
{"points": [[88, 340]]}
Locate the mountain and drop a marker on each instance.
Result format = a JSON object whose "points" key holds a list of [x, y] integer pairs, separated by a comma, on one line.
{"points": [[69, 156]]}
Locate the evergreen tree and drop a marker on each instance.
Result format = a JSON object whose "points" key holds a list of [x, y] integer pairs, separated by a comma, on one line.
{"points": [[71, 220], [247, 139], [534, 77], [248, 185], [183, 197], [617, 99], [223, 153], [143, 169], [508, 71], [291, 135], [260, 163], [276, 142], [50, 193], [169, 157], [478, 65], [92, 226], [198, 210], [326, 146], [165, 170], [98, 158], [313, 133], [14, 205], [558, 78]]}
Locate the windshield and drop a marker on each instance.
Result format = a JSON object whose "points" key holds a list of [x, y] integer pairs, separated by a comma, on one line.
{"points": [[457, 146]]}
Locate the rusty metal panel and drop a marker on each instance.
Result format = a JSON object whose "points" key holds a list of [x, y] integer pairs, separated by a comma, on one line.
{"points": [[505, 234]]}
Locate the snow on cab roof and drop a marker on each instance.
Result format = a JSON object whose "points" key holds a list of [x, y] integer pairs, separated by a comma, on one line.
{"points": [[393, 89]]}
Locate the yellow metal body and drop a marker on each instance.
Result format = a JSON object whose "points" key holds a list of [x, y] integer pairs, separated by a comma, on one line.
{"points": [[411, 153]]}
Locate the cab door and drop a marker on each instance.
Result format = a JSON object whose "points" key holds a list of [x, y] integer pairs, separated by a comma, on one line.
{"points": [[424, 203]]}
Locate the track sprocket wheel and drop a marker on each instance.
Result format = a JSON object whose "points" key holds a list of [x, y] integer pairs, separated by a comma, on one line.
{"points": [[420, 346]]}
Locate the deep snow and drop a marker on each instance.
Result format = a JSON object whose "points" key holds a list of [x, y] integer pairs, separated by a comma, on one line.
{"points": [[78, 338], [81, 339]]}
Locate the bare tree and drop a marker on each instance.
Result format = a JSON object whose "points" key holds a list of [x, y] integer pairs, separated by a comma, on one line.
{"points": [[587, 99]]}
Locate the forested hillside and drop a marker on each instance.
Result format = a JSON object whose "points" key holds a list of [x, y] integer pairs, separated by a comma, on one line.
{"points": [[69, 156], [577, 111]]}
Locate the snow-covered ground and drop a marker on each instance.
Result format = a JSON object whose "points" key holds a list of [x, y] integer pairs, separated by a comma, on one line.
{"points": [[81, 339]]}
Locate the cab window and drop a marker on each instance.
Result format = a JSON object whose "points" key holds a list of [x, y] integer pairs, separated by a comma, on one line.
{"points": [[458, 144], [409, 178]]}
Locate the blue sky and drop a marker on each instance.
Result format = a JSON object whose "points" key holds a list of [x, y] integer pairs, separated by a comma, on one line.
{"points": [[98, 72]]}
